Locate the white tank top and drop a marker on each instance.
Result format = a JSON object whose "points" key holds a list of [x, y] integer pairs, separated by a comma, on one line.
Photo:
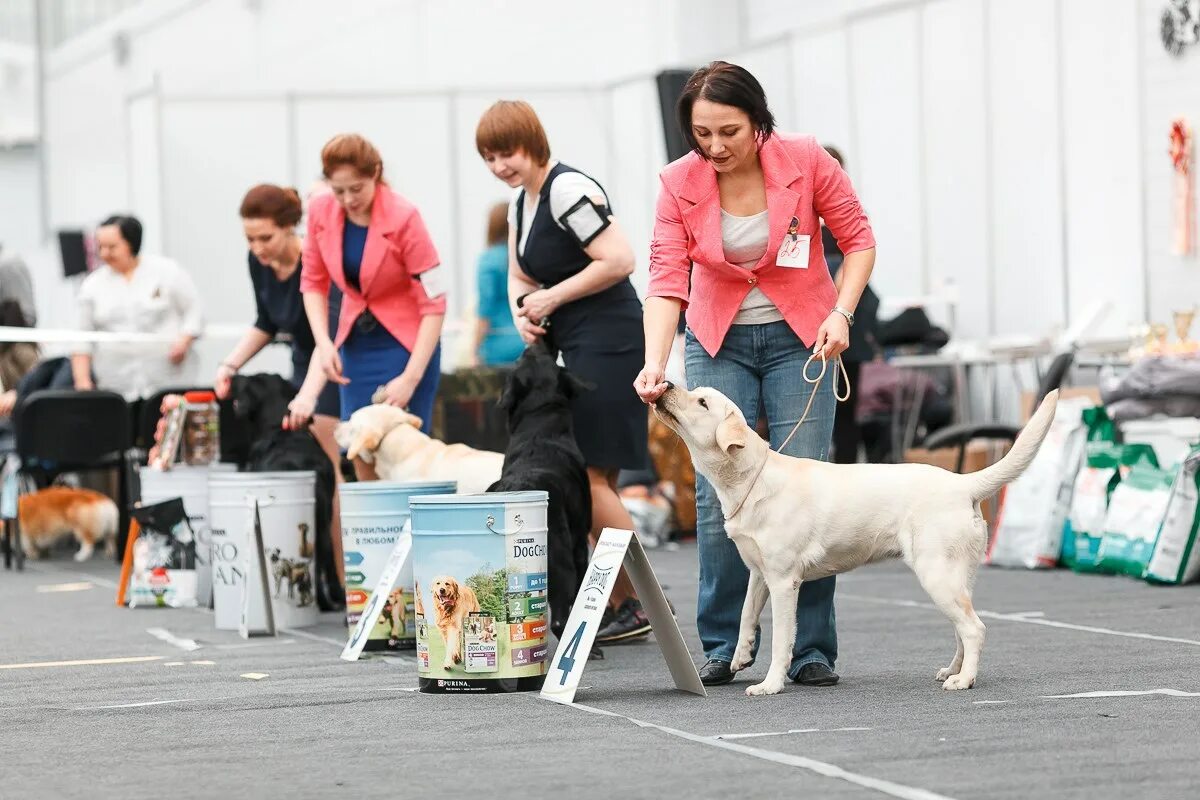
{"points": [[744, 240]]}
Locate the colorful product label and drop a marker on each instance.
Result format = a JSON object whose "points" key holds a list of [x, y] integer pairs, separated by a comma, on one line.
{"points": [[367, 548]]}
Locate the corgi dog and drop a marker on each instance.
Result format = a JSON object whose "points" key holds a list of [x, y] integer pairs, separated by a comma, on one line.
{"points": [[50, 514]]}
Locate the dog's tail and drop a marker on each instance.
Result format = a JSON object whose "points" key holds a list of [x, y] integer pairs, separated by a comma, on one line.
{"points": [[986, 482]]}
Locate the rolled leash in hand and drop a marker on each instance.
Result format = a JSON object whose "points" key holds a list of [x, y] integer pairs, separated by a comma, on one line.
{"points": [[816, 384]]}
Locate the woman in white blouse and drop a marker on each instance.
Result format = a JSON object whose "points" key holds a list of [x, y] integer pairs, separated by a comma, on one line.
{"points": [[136, 294]]}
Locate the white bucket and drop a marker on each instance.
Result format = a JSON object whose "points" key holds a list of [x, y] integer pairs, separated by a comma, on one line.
{"points": [[286, 503], [191, 484]]}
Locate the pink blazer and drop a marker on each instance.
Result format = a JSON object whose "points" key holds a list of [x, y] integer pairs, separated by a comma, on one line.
{"points": [[802, 181], [398, 249]]}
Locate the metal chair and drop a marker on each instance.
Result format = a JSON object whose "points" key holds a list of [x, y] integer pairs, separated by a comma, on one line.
{"points": [[61, 431]]}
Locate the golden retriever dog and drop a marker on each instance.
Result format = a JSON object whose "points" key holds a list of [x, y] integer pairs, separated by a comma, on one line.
{"points": [[391, 438], [50, 514], [452, 602], [797, 519]]}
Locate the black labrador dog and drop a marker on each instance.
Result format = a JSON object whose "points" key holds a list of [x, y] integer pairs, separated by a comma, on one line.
{"points": [[262, 402], [542, 454]]}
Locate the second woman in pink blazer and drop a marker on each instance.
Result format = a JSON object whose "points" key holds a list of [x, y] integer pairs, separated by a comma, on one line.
{"points": [[737, 242]]}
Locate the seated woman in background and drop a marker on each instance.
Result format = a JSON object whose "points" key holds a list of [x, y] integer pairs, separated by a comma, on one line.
{"points": [[496, 338], [16, 359], [138, 294]]}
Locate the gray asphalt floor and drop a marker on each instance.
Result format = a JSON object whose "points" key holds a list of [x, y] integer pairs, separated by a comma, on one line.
{"points": [[151, 719]]}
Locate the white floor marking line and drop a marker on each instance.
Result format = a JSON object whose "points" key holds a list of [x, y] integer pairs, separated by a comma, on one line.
{"points": [[105, 582], [728, 736], [171, 639], [247, 645], [82, 662], [1029, 620], [254, 676], [990, 702], [133, 705], [786, 759], [314, 637], [1128, 693], [401, 689], [81, 586], [204, 663], [172, 663]]}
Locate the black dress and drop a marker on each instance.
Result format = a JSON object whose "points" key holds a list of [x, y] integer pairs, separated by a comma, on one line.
{"points": [[280, 307], [600, 336]]}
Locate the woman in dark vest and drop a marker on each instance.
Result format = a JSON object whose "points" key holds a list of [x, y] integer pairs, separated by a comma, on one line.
{"points": [[569, 264]]}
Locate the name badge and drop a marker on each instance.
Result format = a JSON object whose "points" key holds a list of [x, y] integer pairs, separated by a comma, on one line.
{"points": [[793, 251]]}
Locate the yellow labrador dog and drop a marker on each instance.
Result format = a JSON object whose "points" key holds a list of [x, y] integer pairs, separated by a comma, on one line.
{"points": [[392, 439], [796, 519]]}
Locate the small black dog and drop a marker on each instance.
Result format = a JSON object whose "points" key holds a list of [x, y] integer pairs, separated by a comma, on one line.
{"points": [[262, 401], [542, 454]]}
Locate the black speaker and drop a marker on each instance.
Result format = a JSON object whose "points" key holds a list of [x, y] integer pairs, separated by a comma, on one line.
{"points": [[670, 84], [73, 249]]}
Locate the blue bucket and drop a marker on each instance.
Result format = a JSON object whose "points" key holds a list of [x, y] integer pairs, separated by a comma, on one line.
{"points": [[479, 562], [373, 514]]}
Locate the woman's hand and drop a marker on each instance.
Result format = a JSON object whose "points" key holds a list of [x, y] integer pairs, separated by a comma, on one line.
{"points": [[331, 364], [529, 332], [399, 390], [300, 412], [223, 381], [538, 305], [179, 349], [8, 401], [833, 336], [650, 383]]}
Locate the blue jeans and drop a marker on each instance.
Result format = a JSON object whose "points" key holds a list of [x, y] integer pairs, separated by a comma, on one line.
{"points": [[760, 363]]}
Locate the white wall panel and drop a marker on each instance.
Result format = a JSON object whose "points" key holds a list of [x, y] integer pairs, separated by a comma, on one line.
{"points": [[145, 168], [638, 154], [885, 74], [822, 90], [954, 128], [1027, 203], [772, 67], [1102, 160]]}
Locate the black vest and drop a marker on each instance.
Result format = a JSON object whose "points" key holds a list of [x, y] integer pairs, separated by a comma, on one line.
{"points": [[552, 255]]}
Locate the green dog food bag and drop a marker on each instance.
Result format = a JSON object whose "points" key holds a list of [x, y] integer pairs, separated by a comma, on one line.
{"points": [[1135, 514], [1107, 464], [1176, 558]]}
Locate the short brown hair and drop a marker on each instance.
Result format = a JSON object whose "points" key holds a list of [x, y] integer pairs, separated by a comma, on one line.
{"points": [[511, 125], [276, 203], [351, 150], [729, 85], [497, 230]]}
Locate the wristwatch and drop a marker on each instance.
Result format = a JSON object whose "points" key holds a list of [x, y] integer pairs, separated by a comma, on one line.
{"points": [[847, 314]]}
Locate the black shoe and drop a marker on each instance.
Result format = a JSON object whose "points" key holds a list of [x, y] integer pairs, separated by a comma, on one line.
{"points": [[628, 622], [816, 674], [716, 673]]}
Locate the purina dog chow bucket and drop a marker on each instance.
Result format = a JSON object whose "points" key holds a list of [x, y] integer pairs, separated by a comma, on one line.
{"points": [[286, 504], [479, 562], [374, 513]]}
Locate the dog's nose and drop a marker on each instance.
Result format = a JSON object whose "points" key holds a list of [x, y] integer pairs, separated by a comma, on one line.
{"points": [[670, 385]]}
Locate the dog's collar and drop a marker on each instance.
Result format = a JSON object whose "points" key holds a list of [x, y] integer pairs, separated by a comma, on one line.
{"points": [[753, 481]]}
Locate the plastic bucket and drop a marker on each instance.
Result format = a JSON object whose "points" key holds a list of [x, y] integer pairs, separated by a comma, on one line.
{"points": [[373, 515], [479, 562], [190, 484], [286, 503]]}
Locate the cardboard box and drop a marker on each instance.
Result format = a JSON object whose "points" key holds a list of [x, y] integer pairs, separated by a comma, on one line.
{"points": [[1090, 392]]}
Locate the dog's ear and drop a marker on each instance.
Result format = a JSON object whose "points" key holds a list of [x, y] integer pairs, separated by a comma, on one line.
{"points": [[731, 433], [363, 445], [572, 386], [514, 389], [413, 419]]}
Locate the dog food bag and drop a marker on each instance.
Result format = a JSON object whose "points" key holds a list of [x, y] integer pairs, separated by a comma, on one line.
{"points": [[1176, 558], [164, 557], [1030, 529], [1100, 431], [1107, 465], [1135, 514]]}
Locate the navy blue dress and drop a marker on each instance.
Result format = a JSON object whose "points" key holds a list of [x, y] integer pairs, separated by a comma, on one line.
{"points": [[280, 307]]}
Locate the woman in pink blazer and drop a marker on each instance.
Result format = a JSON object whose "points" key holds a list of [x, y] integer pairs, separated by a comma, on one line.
{"points": [[737, 242], [372, 243]]}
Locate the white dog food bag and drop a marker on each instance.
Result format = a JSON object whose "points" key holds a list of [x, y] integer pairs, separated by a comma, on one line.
{"points": [[164, 557], [1135, 514], [1029, 531], [1176, 558]]}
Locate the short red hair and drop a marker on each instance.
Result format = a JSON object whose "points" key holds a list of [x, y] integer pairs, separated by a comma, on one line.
{"points": [[351, 150], [511, 125]]}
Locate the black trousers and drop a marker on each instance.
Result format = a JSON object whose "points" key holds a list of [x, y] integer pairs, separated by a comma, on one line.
{"points": [[847, 435]]}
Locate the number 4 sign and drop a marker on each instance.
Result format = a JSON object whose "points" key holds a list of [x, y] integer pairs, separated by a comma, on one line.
{"points": [[614, 547]]}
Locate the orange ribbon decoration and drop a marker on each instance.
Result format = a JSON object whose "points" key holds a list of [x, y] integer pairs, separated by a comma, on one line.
{"points": [[1182, 238]]}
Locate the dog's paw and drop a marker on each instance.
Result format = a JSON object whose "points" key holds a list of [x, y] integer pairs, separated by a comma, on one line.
{"points": [[943, 674], [83, 554], [959, 681], [768, 686], [741, 659], [447, 665]]}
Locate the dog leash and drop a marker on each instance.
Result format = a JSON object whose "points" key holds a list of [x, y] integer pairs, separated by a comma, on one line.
{"points": [[816, 384]]}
